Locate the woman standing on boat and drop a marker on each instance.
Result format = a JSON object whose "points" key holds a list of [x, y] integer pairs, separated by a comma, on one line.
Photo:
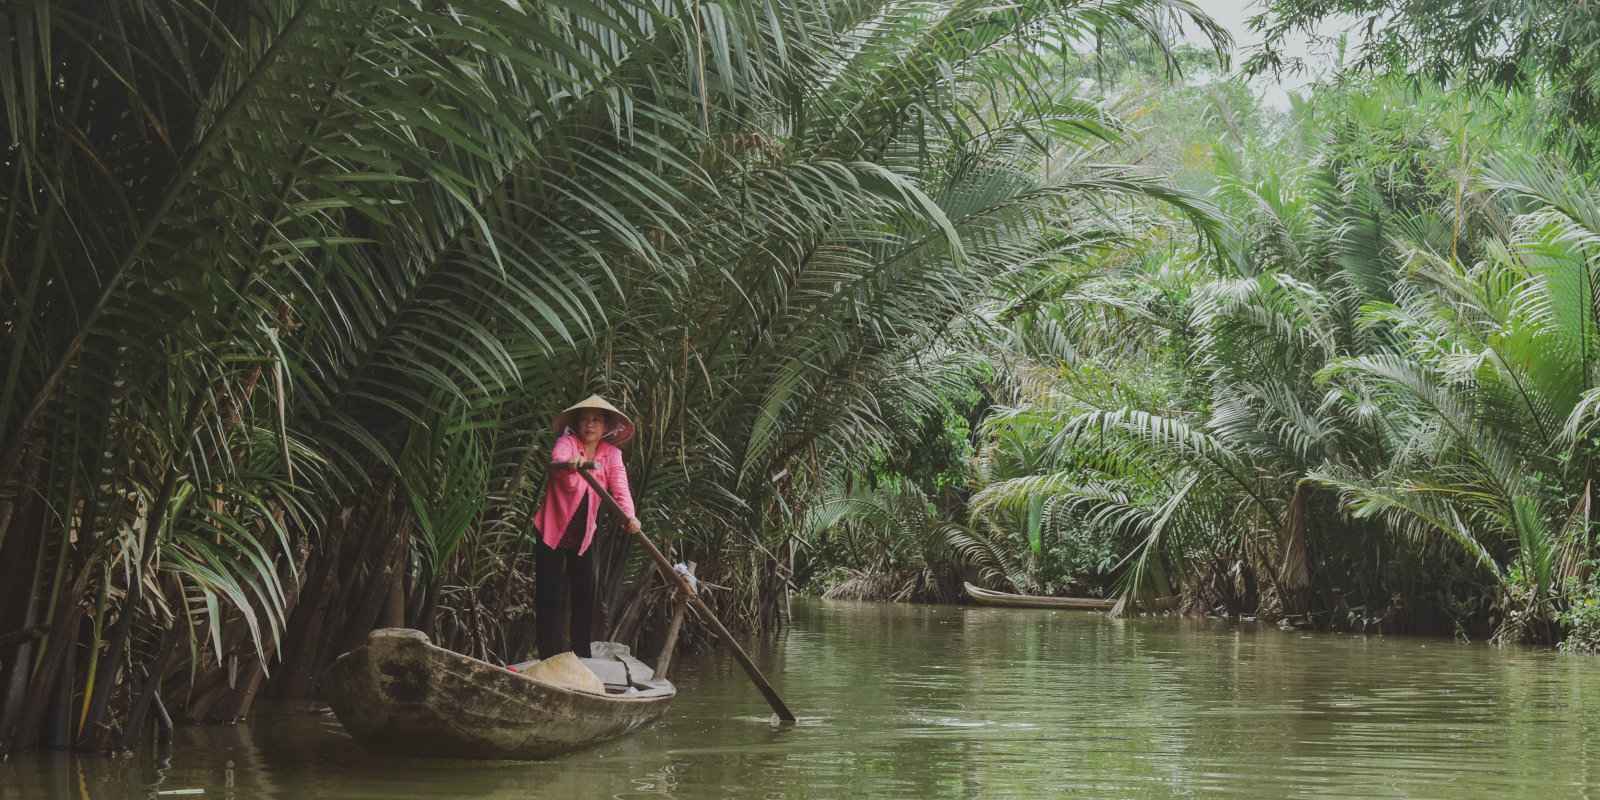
{"points": [[588, 436]]}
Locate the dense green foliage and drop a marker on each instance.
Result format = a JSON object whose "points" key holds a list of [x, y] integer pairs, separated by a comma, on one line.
{"points": [[292, 288], [1545, 47], [899, 294], [1374, 408], [1384, 353]]}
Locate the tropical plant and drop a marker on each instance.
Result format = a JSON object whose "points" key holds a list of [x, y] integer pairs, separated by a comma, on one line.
{"points": [[1538, 46], [892, 538], [292, 288], [1401, 333]]}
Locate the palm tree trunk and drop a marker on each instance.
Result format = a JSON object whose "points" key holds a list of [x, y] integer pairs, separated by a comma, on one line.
{"points": [[58, 735], [59, 646], [374, 595], [394, 608], [1294, 571], [21, 680]]}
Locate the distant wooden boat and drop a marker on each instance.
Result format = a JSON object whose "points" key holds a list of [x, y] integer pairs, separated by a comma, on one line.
{"points": [[989, 597], [401, 694]]}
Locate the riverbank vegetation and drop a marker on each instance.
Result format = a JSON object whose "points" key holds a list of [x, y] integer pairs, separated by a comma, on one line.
{"points": [[1372, 406], [899, 294], [292, 289]]}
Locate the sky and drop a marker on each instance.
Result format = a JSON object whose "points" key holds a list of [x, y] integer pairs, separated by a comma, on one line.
{"points": [[1231, 14]]}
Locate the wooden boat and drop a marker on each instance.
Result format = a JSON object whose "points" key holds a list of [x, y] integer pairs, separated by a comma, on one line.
{"points": [[399, 693], [989, 597]]}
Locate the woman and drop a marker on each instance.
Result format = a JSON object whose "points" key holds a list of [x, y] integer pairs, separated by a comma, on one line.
{"points": [[587, 437]]}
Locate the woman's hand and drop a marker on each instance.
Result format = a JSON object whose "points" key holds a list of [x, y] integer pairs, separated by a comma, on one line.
{"points": [[633, 525]]}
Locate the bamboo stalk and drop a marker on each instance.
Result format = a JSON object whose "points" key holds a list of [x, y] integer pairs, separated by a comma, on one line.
{"points": [[671, 574]]}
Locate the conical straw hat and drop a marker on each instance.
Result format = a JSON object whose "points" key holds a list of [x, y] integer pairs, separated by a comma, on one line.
{"points": [[618, 431], [567, 671]]}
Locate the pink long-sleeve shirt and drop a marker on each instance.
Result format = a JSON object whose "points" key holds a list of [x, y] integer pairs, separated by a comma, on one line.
{"points": [[566, 490]]}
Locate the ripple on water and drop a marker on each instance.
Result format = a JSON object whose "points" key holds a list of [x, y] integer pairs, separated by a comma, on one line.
{"points": [[948, 702]]}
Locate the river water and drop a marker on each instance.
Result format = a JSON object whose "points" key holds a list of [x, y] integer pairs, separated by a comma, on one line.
{"points": [[954, 702]]}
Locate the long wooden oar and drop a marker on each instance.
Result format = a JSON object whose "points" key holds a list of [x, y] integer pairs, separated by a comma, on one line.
{"points": [[684, 586]]}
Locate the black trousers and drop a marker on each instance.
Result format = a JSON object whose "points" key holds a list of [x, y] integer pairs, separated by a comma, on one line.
{"points": [[554, 571]]}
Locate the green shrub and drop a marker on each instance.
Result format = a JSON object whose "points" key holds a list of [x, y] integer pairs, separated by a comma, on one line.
{"points": [[1581, 620]]}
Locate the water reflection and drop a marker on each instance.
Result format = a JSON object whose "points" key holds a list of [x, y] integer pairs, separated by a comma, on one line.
{"points": [[944, 702]]}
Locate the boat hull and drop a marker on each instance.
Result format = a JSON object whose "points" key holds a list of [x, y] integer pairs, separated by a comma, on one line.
{"points": [[986, 597], [401, 694], [989, 597]]}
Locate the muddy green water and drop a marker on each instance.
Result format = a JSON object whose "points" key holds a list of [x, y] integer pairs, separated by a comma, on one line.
{"points": [[950, 702]]}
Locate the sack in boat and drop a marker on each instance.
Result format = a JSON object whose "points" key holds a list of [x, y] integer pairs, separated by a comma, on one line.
{"points": [[568, 672]]}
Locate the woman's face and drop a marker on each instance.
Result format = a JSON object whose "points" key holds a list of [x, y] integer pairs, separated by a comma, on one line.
{"points": [[591, 425]]}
